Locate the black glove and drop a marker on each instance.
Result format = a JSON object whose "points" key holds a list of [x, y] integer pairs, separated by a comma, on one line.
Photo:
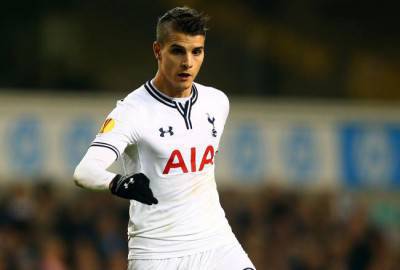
{"points": [[133, 187]]}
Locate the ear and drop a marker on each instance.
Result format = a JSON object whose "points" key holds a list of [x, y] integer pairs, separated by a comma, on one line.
{"points": [[157, 50]]}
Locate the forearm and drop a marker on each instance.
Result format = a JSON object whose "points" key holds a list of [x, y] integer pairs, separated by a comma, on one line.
{"points": [[92, 172]]}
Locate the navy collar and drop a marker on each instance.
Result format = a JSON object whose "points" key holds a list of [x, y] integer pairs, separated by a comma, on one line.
{"points": [[184, 110], [168, 100]]}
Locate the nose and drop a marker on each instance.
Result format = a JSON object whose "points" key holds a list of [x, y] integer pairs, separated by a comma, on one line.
{"points": [[187, 61]]}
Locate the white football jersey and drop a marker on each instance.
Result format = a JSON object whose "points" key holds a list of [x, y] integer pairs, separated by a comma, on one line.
{"points": [[177, 140]]}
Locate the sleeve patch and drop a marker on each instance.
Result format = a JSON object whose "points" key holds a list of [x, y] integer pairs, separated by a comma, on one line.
{"points": [[107, 126]]}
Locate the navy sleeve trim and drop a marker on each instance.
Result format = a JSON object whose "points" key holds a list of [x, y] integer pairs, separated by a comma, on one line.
{"points": [[109, 146]]}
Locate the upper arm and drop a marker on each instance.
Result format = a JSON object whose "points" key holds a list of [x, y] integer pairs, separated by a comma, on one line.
{"points": [[224, 104], [118, 130]]}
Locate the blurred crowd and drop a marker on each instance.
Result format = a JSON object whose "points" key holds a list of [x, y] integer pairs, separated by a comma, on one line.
{"points": [[290, 230], [50, 228]]}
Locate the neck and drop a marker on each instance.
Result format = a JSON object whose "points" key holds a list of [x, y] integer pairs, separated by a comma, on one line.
{"points": [[166, 88]]}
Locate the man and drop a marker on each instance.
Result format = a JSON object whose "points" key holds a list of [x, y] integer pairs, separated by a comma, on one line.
{"points": [[176, 220]]}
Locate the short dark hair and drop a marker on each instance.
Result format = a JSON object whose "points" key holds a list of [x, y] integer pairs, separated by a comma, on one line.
{"points": [[182, 19]]}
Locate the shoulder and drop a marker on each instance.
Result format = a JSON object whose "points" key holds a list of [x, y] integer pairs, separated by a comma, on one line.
{"points": [[136, 98], [212, 93], [130, 105], [136, 101]]}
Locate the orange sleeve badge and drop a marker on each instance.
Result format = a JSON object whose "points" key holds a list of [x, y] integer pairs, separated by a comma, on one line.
{"points": [[107, 126]]}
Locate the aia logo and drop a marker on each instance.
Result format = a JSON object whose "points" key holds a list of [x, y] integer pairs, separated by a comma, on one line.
{"points": [[176, 160], [163, 132]]}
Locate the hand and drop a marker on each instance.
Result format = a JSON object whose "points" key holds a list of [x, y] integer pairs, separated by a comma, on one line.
{"points": [[133, 187]]}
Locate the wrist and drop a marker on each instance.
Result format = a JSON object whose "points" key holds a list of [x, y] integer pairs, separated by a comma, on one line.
{"points": [[114, 182]]}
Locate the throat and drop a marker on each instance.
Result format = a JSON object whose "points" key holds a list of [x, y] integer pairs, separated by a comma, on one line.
{"points": [[170, 90]]}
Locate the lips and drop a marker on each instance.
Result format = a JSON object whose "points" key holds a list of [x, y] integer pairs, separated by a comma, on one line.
{"points": [[183, 75]]}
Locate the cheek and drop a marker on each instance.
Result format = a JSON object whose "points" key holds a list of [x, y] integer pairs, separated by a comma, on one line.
{"points": [[199, 62], [169, 64]]}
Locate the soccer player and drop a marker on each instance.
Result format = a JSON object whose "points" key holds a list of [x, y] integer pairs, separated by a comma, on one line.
{"points": [[176, 220]]}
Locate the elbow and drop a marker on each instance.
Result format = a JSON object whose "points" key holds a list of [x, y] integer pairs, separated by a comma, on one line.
{"points": [[78, 183], [78, 177], [89, 176]]}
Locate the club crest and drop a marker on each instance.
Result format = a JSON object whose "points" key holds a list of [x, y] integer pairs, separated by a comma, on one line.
{"points": [[211, 120]]}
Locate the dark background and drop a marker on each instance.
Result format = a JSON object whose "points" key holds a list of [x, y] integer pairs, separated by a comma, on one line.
{"points": [[309, 48]]}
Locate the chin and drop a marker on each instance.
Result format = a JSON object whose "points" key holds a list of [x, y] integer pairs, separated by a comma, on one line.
{"points": [[183, 85]]}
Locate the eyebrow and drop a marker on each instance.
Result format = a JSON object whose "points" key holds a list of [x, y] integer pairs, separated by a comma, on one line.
{"points": [[174, 45]]}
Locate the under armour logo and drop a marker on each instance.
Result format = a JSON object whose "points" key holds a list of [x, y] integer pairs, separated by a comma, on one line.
{"points": [[162, 131], [131, 181], [211, 120]]}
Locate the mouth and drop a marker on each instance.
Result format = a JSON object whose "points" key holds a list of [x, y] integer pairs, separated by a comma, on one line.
{"points": [[184, 75]]}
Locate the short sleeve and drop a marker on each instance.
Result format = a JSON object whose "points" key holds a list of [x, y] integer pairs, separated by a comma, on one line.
{"points": [[118, 130]]}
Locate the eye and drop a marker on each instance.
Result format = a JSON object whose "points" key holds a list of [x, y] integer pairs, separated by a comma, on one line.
{"points": [[197, 51], [177, 50]]}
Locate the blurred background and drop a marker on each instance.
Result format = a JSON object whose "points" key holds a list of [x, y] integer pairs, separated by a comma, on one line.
{"points": [[309, 165]]}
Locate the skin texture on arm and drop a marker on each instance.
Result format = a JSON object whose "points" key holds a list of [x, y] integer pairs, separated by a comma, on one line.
{"points": [[92, 172]]}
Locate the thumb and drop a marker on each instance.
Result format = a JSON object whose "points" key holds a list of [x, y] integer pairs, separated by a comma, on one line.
{"points": [[154, 200]]}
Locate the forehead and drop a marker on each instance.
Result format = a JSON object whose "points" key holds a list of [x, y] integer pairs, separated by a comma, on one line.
{"points": [[184, 40]]}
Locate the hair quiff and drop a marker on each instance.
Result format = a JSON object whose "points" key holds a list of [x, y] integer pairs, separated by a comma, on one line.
{"points": [[181, 19]]}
